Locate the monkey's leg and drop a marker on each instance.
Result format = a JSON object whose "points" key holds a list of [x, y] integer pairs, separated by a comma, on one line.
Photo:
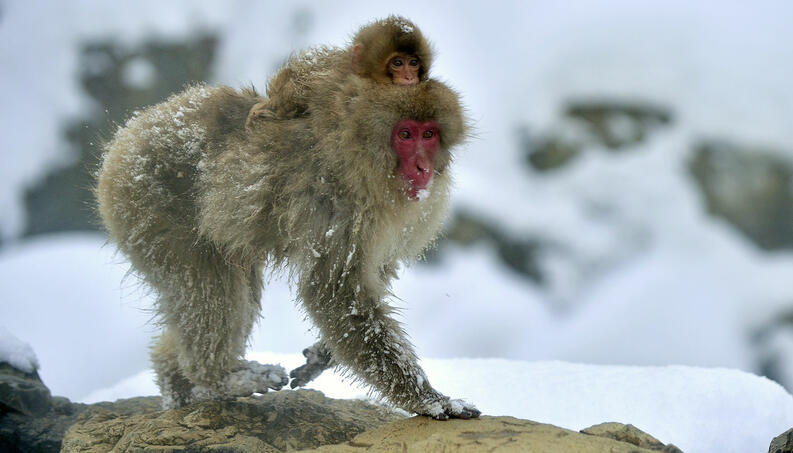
{"points": [[358, 329], [209, 307], [250, 376], [318, 359], [175, 388], [272, 110]]}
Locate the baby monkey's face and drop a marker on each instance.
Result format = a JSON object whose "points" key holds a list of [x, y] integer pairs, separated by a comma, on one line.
{"points": [[404, 69]]}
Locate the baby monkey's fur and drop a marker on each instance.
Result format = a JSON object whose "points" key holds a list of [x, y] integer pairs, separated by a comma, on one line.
{"points": [[308, 74], [201, 206]]}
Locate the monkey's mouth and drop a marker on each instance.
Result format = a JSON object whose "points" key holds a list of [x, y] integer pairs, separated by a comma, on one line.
{"points": [[417, 176], [419, 191]]}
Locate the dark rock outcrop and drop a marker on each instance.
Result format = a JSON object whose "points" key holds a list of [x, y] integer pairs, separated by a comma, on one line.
{"points": [[31, 420], [749, 187], [611, 125], [617, 124], [782, 443], [23, 393]]}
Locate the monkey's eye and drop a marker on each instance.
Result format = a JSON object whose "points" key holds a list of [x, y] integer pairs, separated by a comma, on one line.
{"points": [[396, 62], [404, 135], [414, 62], [429, 134]]}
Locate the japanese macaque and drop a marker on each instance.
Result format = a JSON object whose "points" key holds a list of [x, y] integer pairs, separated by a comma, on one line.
{"points": [[389, 51], [392, 50], [340, 195]]}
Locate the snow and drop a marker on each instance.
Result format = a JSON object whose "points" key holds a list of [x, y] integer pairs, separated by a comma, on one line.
{"points": [[405, 27], [16, 352], [70, 298], [139, 73], [140, 384], [699, 410]]}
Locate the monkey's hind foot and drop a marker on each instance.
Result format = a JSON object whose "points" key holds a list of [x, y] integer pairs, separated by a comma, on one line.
{"points": [[318, 359], [442, 407], [254, 377]]}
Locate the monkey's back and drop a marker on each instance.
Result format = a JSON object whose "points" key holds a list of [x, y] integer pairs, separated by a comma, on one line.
{"points": [[185, 174], [147, 184]]}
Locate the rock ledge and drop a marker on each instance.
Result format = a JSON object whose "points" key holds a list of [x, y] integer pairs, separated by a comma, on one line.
{"points": [[306, 420]]}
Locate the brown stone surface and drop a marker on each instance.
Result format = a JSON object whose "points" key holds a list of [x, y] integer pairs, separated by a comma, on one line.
{"points": [[306, 420], [277, 421], [490, 434]]}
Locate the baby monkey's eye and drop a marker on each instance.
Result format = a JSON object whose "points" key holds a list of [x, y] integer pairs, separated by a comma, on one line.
{"points": [[429, 134], [414, 62], [404, 135]]}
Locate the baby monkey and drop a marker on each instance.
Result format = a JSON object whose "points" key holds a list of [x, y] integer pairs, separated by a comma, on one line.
{"points": [[391, 50], [388, 51]]}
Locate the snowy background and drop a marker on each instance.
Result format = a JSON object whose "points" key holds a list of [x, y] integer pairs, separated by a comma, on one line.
{"points": [[668, 242]]}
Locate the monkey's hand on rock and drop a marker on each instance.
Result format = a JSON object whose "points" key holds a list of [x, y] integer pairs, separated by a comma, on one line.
{"points": [[318, 359], [442, 407]]}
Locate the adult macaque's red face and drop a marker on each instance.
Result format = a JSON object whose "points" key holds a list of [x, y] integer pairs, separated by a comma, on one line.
{"points": [[416, 142]]}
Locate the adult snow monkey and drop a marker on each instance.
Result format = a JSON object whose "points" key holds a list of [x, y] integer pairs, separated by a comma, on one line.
{"points": [[389, 51], [340, 196]]}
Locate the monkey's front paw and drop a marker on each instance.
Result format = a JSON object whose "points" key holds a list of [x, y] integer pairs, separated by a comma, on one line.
{"points": [[254, 377], [460, 409], [442, 408], [318, 359]]}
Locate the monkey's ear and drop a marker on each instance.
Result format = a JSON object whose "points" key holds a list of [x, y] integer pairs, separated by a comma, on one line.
{"points": [[357, 56]]}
